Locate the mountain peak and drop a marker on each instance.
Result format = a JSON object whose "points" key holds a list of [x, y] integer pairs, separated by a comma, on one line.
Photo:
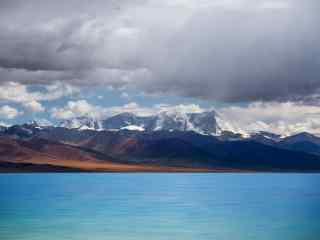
{"points": [[302, 137], [81, 123], [202, 122]]}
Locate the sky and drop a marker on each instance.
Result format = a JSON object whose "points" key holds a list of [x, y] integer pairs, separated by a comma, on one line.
{"points": [[256, 62]]}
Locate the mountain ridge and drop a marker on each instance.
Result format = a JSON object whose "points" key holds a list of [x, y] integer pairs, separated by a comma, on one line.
{"points": [[204, 122], [131, 150]]}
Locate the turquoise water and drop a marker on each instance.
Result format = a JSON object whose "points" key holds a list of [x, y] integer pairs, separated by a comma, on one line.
{"points": [[159, 206]]}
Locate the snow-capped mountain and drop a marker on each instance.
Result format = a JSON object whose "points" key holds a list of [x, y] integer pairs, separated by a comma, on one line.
{"points": [[82, 123], [171, 121], [204, 123], [23, 131], [304, 142], [128, 121]]}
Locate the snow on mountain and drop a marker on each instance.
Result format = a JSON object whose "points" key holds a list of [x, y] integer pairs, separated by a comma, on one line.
{"points": [[33, 124], [226, 126], [123, 120], [207, 122], [82, 123], [170, 121], [133, 128], [265, 137], [203, 123], [271, 136]]}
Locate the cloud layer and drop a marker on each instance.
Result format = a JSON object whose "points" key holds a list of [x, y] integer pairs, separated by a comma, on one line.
{"points": [[14, 92], [80, 108], [8, 112], [232, 51], [285, 118], [261, 53]]}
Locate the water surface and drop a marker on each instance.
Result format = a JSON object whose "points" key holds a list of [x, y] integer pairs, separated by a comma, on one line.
{"points": [[159, 206]]}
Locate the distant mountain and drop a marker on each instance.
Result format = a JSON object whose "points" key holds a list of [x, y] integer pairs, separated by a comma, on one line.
{"points": [[3, 128], [204, 123], [303, 142], [82, 123], [301, 137], [265, 138], [129, 121], [162, 148], [26, 130], [230, 136], [166, 141]]}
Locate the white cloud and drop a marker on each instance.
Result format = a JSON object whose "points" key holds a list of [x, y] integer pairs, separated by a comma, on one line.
{"points": [[182, 108], [19, 93], [76, 109], [15, 92], [9, 112], [33, 106], [135, 108], [282, 118], [275, 5], [3, 124], [124, 95], [131, 107], [83, 108], [58, 90], [43, 122]]}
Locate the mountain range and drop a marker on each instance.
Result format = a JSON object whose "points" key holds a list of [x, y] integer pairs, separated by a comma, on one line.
{"points": [[169, 141], [203, 123]]}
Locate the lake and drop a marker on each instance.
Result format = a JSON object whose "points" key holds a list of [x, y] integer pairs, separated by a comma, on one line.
{"points": [[159, 206]]}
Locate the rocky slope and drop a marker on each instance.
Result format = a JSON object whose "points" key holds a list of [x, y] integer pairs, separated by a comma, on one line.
{"points": [[170, 149]]}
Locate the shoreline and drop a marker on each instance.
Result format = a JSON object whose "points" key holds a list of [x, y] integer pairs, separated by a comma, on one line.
{"points": [[29, 167]]}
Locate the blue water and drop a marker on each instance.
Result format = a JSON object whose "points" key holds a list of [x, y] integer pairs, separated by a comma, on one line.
{"points": [[159, 206]]}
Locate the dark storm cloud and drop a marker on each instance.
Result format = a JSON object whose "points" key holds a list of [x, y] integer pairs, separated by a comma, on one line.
{"points": [[58, 35], [246, 55], [240, 50]]}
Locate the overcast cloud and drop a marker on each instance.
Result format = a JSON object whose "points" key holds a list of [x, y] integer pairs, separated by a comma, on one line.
{"points": [[262, 52], [223, 50]]}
